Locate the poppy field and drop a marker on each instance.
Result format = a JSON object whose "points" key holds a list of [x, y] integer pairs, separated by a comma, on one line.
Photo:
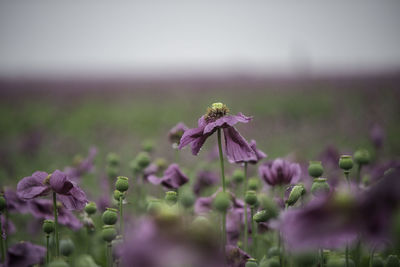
{"points": [[281, 174]]}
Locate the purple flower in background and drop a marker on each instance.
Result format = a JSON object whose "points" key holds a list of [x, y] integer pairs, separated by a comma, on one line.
{"points": [[14, 203], [82, 166], [25, 254], [173, 178], [175, 134], [377, 135], [280, 172], [330, 157], [43, 209], [41, 184], [236, 147], [7, 226], [204, 179]]}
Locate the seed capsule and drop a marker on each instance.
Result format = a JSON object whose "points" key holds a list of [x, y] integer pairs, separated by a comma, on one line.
{"points": [[315, 169], [113, 159], [251, 198], [67, 247], [48, 226], [238, 176], [320, 186], [346, 162], [110, 216], [251, 263], [143, 160], [122, 183], [362, 157], [171, 197], [108, 233], [254, 184], [91, 208], [222, 201]]}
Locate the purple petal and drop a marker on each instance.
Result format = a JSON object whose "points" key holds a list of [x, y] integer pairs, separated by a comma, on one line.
{"points": [[14, 203], [259, 154], [226, 121], [24, 254], [59, 182], [154, 179], [32, 186], [236, 147]]}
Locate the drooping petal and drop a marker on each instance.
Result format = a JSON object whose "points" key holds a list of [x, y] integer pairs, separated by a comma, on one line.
{"points": [[173, 178], [71, 202], [226, 121], [60, 183], [32, 186], [259, 154], [195, 137], [236, 147], [154, 179]]}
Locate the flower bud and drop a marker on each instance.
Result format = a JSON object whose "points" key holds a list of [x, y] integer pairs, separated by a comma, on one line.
{"points": [[58, 263], [251, 263], [110, 216], [122, 183], [315, 169], [143, 160], [118, 194], [91, 208], [238, 176], [148, 145], [254, 183], [171, 197], [346, 162], [187, 199], [251, 198], [3, 203], [295, 194], [108, 233], [48, 226], [66, 247], [362, 157], [222, 201], [113, 159], [112, 171], [392, 261], [154, 206], [320, 187], [261, 216]]}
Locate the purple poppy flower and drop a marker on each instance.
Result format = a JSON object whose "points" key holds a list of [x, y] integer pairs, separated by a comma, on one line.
{"points": [[377, 135], [173, 178], [14, 203], [175, 134], [25, 254], [7, 226], [43, 209], [82, 166], [204, 179], [330, 156], [280, 172], [236, 147], [41, 183]]}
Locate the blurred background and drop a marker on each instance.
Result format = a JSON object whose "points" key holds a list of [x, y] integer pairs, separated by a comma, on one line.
{"points": [[113, 74]]}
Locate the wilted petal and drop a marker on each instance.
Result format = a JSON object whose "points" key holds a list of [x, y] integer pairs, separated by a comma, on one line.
{"points": [[226, 121], [60, 183], [32, 186], [236, 147], [259, 154]]}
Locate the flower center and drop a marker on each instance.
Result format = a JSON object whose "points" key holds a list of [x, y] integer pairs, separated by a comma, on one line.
{"points": [[216, 111], [47, 180]]}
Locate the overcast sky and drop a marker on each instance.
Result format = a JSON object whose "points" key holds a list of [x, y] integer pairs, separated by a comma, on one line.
{"points": [[88, 37]]}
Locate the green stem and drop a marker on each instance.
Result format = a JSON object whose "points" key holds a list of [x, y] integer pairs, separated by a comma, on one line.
{"points": [[3, 252], [321, 255], [47, 249], [121, 221], [221, 159], [109, 254], [246, 229], [371, 257], [347, 255], [253, 232], [359, 173], [56, 223]]}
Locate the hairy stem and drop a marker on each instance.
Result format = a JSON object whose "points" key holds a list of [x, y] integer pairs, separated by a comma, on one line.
{"points": [[221, 159], [56, 223], [246, 229]]}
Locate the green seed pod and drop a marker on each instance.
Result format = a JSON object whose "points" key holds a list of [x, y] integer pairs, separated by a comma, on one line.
{"points": [[392, 261], [134, 167], [187, 199], [113, 159], [161, 163], [171, 197], [67, 247], [261, 216], [295, 194], [315, 169], [58, 263], [222, 201], [118, 194], [148, 145], [238, 176], [110, 216], [112, 171], [90, 208], [48, 226], [251, 197], [122, 183], [320, 186], [3, 203], [154, 206], [269, 205], [251, 263], [378, 262], [346, 162], [85, 261], [108, 233], [254, 183], [143, 160], [362, 157]]}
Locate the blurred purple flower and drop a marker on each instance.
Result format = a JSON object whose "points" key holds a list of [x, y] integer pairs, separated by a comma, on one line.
{"points": [[104, 201], [173, 178], [43, 209], [7, 226], [14, 203], [152, 169], [330, 156], [175, 134], [280, 172], [204, 179], [41, 183], [236, 147], [377, 135], [25, 254], [82, 166]]}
